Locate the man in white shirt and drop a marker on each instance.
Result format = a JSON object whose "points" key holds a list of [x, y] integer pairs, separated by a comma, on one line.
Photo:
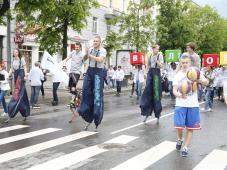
{"points": [[35, 77]]}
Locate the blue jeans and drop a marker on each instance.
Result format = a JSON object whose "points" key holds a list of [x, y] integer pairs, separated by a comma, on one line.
{"points": [[55, 88], [119, 83], [2, 100], [34, 94], [208, 100], [138, 88]]}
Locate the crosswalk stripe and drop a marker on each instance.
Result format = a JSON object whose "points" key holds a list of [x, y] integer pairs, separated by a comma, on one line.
{"points": [[6, 129], [80, 155], [42, 146], [148, 157], [27, 135], [216, 160]]}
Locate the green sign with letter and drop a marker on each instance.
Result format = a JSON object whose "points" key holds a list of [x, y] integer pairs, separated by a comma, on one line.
{"points": [[172, 55]]}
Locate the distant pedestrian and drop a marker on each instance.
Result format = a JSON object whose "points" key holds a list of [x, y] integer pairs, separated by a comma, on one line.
{"points": [[4, 87], [56, 79], [171, 74], [225, 84], [110, 74], [139, 80], [43, 81], [134, 69], [119, 79], [209, 89], [36, 77]]}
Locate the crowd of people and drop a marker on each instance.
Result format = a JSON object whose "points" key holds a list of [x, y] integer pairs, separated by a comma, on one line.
{"points": [[155, 75]]}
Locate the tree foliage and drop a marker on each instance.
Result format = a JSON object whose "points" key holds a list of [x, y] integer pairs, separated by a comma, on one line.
{"points": [[136, 26], [51, 20], [181, 21]]}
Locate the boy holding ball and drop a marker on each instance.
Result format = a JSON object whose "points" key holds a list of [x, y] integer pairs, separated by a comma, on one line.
{"points": [[186, 114]]}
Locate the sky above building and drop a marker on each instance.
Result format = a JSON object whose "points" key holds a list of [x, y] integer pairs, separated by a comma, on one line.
{"points": [[220, 5]]}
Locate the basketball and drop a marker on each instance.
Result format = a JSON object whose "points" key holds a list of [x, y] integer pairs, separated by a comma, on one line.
{"points": [[185, 87], [193, 74]]}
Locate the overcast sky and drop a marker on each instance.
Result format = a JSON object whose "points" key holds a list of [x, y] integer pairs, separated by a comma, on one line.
{"points": [[220, 5]]}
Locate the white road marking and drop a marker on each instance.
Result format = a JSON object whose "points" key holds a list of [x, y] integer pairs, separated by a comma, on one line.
{"points": [[216, 160], [42, 146], [80, 155], [148, 157], [6, 129], [142, 123], [27, 135]]}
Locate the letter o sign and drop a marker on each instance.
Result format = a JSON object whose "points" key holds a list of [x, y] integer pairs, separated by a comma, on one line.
{"points": [[209, 60], [135, 58]]}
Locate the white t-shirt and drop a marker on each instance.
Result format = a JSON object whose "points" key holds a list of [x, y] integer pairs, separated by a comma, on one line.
{"points": [[192, 98]]}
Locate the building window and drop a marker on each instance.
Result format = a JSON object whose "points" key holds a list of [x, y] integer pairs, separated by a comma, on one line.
{"points": [[95, 25], [1, 47]]}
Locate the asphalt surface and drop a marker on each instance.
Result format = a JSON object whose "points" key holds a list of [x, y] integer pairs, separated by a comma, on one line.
{"points": [[143, 146]]}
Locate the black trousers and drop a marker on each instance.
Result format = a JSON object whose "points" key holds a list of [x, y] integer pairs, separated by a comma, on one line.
{"points": [[119, 83]]}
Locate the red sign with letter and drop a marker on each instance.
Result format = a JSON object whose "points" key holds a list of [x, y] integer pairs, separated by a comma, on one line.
{"points": [[210, 60], [137, 58]]}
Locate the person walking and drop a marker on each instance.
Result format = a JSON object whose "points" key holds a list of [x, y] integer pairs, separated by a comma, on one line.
{"points": [[110, 74], [76, 57], [91, 107], [209, 89], [139, 80], [44, 80], [151, 97], [119, 79], [19, 101], [186, 114], [36, 77], [4, 87]]}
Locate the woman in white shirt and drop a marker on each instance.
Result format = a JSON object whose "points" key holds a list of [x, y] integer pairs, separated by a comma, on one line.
{"points": [[4, 87], [119, 79]]}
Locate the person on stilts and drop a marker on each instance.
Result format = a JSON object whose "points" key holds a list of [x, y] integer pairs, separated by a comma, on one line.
{"points": [[151, 97], [91, 107]]}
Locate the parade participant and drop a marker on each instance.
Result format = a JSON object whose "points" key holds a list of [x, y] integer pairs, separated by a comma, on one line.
{"points": [[195, 58], [119, 79], [19, 101], [110, 74], [134, 69], [209, 89], [56, 79], [151, 97], [225, 84], [4, 87], [36, 77], [91, 107], [171, 73], [139, 80], [186, 114], [76, 57], [44, 80]]}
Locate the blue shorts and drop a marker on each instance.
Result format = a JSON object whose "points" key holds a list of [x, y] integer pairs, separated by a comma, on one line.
{"points": [[187, 117]]}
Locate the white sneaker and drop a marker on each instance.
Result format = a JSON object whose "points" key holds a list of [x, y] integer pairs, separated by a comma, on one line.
{"points": [[204, 110], [210, 110], [4, 114]]}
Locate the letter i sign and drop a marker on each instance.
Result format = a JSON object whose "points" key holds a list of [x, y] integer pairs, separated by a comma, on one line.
{"points": [[223, 58]]}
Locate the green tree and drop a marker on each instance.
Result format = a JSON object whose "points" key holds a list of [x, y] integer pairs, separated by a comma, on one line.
{"points": [[52, 19], [136, 27], [3, 10], [211, 28], [112, 42], [174, 27]]}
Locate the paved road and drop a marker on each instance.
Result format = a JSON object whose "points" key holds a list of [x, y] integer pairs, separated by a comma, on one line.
{"points": [[47, 141]]}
